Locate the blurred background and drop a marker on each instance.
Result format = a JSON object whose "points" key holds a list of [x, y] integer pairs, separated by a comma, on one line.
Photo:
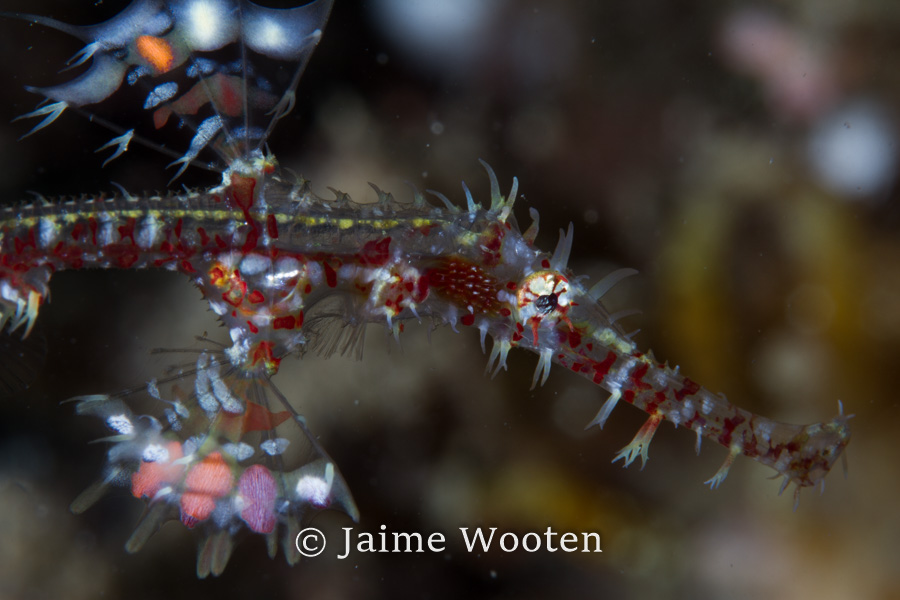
{"points": [[743, 156]]}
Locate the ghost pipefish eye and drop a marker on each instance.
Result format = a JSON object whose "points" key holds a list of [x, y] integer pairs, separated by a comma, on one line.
{"points": [[547, 304], [543, 301]]}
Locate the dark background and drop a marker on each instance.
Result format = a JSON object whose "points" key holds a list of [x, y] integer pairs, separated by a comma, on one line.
{"points": [[676, 149]]}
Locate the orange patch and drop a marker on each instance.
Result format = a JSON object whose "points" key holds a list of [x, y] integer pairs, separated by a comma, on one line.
{"points": [[157, 52], [195, 508], [212, 476], [152, 476], [205, 483]]}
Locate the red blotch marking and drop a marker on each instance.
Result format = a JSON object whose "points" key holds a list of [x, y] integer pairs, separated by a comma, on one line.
{"points": [[78, 231], [545, 263], [287, 322], [236, 291], [241, 192], [127, 259], [775, 451], [375, 252], [220, 242], [728, 429], [178, 226], [420, 289], [256, 297], [258, 491], [658, 399], [254, 418], [227, 91], [574, 339], [468, 320], [517, 336], [72, 255], [28, 241], [127, 230], [535, 327], [490, 243], [272, 226], [253, 328], [92, 225], [205, 483], [330, 275], [505, 312], [601, 369], [264, 353], [628, 396], [259, 418], [494, 239], [122, 256], [252, 239], [151, 476], [751, 447], [695, 419], [160, 116], [187, 267], [217, 276], [689, 388], [204, 237], [512, 285], [637, 377]]}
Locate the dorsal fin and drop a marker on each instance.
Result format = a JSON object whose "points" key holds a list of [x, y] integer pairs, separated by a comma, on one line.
{"points": [[223, 71]]}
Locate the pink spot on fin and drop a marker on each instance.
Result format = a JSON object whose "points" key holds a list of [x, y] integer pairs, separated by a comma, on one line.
{"points": [[258, 491]]}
